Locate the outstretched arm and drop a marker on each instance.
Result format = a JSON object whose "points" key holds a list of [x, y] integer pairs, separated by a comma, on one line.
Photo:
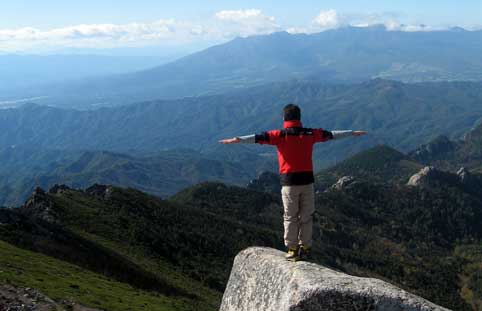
{"points": [[264, 138], [343, 134], [248, 139], [273, 136], [322, 135]]}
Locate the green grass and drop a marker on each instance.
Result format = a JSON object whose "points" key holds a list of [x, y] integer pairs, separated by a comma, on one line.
{"points": [[63, 281], [161, 268], [186, 237]]}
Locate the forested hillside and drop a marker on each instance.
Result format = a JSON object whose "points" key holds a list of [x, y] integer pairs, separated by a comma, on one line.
{"points": [[424, 237], [451, 154]]}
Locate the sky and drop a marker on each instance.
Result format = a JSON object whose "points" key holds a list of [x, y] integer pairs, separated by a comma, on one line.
{"points": [[50, 25]]}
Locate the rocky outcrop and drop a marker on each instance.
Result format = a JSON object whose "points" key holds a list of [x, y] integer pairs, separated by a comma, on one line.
{"points": [[58, 189], [29, 299], [100, 191], [429, 175], [39, 205], [474, 136], [465, 176], [343, 182], [261, 279], [471, 182], [13, 298], [418, 178]]}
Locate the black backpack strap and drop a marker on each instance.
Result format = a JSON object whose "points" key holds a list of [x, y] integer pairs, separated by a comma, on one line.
{"points": [[296, 131]]}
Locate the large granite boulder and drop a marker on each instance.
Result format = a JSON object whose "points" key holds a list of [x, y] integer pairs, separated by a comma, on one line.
{"points": [[261, 279]]}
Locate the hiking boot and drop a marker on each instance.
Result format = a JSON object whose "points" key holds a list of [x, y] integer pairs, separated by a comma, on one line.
{"points": [[304, 253], [293, 254]]}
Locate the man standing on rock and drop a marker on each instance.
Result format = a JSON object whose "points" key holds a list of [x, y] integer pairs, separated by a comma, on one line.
{"points": [[295, 148]]}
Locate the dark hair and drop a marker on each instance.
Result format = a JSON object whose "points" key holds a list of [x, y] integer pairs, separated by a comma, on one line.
{"points": [[291, 112]]}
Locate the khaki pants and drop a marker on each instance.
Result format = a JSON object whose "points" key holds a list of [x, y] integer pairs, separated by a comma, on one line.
{"points": [[299, 206]]}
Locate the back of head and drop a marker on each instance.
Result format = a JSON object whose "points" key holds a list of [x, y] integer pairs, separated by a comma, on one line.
{"points": [[291, 112]]}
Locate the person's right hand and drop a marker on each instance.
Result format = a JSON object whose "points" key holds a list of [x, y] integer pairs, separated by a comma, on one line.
{"points": [[233, 140]]}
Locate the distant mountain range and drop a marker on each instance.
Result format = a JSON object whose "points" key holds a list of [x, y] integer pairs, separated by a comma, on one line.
{"points": [[397, 114], [161, 174], [163, 146], [346, 54]]}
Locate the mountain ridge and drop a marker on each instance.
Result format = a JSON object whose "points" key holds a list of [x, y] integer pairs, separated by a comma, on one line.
{"points": [[345, 54], [161, 174], [445, 153], [390, 111]]}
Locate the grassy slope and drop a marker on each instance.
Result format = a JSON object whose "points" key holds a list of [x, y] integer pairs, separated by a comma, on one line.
{"points": [[161, 268], [186, 237], [60, 280], [82, 212]]}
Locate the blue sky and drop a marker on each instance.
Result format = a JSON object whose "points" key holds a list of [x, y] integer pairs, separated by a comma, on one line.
{"points": [[55, 13], [35, 25]]}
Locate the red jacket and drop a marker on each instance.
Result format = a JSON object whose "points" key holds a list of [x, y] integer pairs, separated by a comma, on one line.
{"points": [[295, 149]]}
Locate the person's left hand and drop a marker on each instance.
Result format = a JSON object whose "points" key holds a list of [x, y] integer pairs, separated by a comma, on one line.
{"points": [[233, 140]]}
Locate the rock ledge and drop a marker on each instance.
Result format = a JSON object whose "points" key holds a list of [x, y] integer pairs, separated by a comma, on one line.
{"points": [[261, 279]]}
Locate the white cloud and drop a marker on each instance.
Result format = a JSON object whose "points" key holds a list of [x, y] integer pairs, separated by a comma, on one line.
{"points": [[391, 21], [327, 19], [101, 35], [246, 22], [224, 25], [243, 15], [331, 19]]}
